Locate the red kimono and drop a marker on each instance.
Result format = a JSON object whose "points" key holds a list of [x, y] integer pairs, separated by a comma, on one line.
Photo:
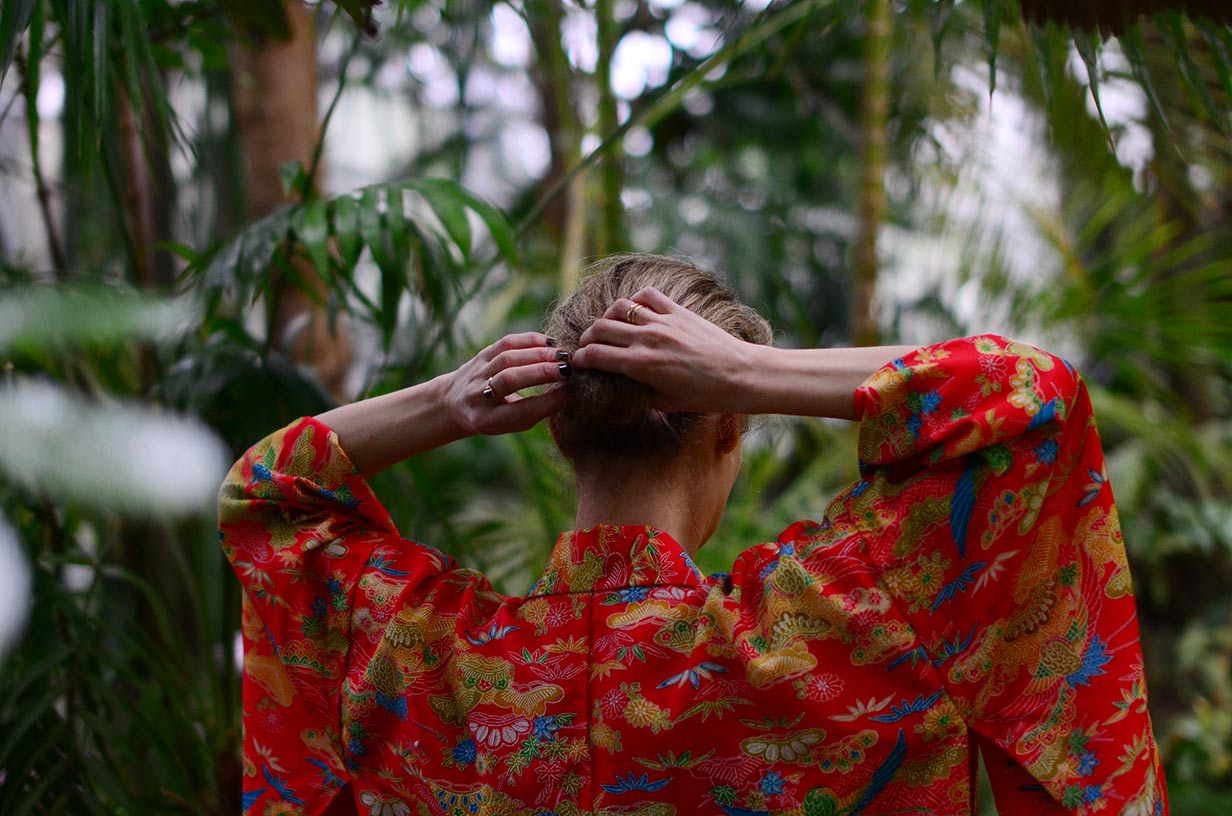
{"points": [[970, 590]]}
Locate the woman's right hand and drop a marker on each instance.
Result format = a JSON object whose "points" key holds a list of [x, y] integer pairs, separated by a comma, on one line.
{"points": [[691, 364]]}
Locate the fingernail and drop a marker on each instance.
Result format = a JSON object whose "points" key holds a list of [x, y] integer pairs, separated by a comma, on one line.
{"points": [[551, 341], [565, 369], [563, 356]]}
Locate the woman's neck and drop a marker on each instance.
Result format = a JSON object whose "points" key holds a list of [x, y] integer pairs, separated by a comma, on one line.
{"points": [[652, 495]]}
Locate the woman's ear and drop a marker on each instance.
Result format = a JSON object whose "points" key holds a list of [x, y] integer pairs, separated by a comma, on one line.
{"points": [[728, 437]]}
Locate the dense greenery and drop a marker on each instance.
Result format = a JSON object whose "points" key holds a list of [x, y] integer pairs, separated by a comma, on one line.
{"points": [[166, 298]]}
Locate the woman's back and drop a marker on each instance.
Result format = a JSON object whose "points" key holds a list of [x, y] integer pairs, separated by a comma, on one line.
{"points": [[969, 589]]}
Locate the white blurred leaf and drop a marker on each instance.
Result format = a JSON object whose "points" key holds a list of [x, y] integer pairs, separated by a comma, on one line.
{"points": [[118, 456], [42, 316], [14, 589]]}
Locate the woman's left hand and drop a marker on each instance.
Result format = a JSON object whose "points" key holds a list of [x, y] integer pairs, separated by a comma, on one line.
{"points": [[511, 364]]}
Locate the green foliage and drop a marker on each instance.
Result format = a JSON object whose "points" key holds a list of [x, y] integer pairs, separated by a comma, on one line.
{"points": [[123, 695]]}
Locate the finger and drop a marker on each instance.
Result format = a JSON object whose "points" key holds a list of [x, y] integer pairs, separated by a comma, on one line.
{"points": [[527, 411], [523, 340], [521, 357], [613, 332], [511, 380], [657, 301], [624, 308], [602, 357]]}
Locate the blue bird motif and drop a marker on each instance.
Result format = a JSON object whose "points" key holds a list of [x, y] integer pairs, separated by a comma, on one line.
{"points": [[951, 590], [494, 632], [394, 705], [786, 548], [962, 505], [249, 798], [1093, 661], [279, 784], [897, 712], [882, 776], [693, 675], [1047, 413], [640, 783]]}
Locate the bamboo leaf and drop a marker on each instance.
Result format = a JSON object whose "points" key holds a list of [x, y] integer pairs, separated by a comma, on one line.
{"points": [[1131, 44], [1042, 47], [15, 16], [992, 33], [1218, 50], [1172, 26], [1088, 48], [447, 201], [943, 15]]}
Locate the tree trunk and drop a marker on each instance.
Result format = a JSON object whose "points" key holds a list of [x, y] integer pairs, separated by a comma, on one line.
{"points": [[565, 215], [275, 93], [872, 202]]}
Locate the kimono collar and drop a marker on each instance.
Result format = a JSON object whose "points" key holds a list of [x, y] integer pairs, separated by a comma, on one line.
{"points": [[609, 557]]}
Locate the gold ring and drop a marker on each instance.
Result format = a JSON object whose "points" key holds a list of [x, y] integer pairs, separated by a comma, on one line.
{"points": [[489, 392], [632, 313]]}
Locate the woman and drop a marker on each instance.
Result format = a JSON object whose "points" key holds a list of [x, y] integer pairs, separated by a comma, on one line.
{"points": [[969, 591]]}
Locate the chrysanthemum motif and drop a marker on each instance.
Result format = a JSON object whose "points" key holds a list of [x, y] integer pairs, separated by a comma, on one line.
{"points": [[821, 688], [644, 714], [496, 730], [379, 805]]}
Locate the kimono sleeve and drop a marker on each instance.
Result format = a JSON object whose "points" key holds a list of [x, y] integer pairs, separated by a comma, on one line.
{"points": [[1004, 550], [300, 526]]}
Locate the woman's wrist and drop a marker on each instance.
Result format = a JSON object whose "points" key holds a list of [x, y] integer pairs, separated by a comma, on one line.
{"points": [[808, 382], [381, 431]]}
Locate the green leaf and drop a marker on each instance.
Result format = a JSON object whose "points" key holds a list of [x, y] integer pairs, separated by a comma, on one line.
{"points": [[116, 456], [34, 62], [258, 18], [1172, 26], [291, 174], [360, 11], [1088, 48], [992, 33], [312, 231], [1218, 50], [15, 16], [449, 201], [943, 14], [39, 318], [442, 195], [1131, 44], [346, 229]]}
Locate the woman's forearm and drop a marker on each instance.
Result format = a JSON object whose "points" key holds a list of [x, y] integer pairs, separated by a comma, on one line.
{"points": [[810, 382], [382, 431]]}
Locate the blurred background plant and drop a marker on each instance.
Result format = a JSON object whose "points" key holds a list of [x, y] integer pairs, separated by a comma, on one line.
{"points": [[219, 216]]}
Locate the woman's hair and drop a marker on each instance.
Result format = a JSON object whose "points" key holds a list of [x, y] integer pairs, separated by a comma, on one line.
{"points": [[611, 414]]}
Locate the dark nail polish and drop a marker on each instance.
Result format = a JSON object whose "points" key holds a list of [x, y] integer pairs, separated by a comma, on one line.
{"points": [[565, 369], [551, 341], [563, 356]]}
